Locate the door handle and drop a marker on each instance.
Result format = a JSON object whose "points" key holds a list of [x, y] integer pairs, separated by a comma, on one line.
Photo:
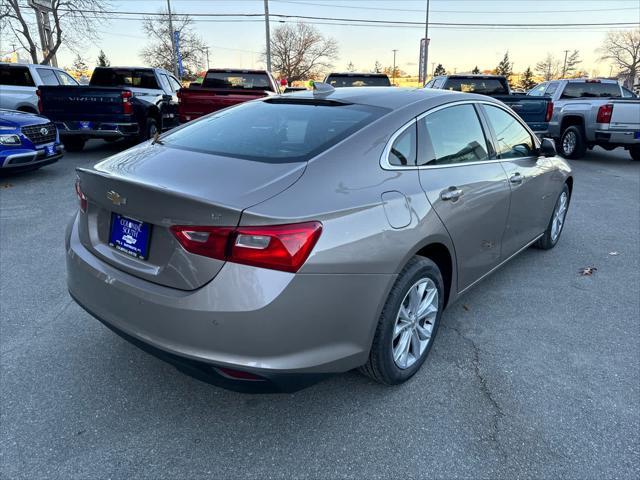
{"points": [[452, 193], [516, 178]]}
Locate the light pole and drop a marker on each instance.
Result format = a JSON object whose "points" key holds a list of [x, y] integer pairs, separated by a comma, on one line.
{"points": [[268, 33], [426, 45], [173, 41], [393, 72]]}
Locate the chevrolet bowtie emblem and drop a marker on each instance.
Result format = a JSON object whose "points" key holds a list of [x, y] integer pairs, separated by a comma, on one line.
{"points": [[115, 198]]}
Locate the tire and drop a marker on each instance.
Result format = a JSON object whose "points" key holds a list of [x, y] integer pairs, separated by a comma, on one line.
{"points": [[74, 144], [634, 151], [551, 234], [381, 365], [150, 130], [572, 143]]}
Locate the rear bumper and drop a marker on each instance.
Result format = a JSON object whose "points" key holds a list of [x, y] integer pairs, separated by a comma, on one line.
{"points": [[617, 137], [99, 130], [277, 325]]}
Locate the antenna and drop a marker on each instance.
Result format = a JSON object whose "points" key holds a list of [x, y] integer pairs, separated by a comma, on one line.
{"points": [[321, 88]]}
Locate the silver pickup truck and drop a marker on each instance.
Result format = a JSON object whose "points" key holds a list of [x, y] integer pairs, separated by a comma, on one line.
{"points": [[587, 113]]}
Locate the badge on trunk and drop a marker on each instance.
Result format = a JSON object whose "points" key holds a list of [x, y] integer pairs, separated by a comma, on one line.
{"points": [[116, 198]]}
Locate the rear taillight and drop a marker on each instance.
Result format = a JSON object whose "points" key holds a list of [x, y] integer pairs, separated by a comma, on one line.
{"points": [[278, 247], [81, 197], [549, 114], [127, 106], [179, 93], [39, 94], [604, 113]]}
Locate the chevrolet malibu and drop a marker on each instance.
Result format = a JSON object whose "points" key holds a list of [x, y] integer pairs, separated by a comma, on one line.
{"points": [[270, 244]]}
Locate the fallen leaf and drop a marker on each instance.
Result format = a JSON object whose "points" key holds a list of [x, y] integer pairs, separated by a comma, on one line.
{"points": [[587, 271], [465, 308], [7, 185]]}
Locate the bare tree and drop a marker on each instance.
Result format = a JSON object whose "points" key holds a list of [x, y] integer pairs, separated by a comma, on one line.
{"points": [[622, 48], [377, 67], [300, 52], [570, 64], [159, 52], [73, 22], [549, 68], [351, 67]]}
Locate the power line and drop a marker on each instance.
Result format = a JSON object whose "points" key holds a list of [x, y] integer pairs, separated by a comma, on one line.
{"points": [[491, 12], [362, 20]]}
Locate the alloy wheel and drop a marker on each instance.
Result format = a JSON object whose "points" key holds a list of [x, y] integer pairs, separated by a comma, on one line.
{"points": [[414, 323], [559, 216], [569, 142]]}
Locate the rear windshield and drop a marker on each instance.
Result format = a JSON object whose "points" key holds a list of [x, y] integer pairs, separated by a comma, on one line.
{"points": [[485, 86], [358, 81], [237, 80], [276, 131], [123, 77], [15, 76], [591, 89]]}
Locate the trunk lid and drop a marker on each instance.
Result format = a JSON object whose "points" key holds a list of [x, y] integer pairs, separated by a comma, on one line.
{"points": [[164, 186]]}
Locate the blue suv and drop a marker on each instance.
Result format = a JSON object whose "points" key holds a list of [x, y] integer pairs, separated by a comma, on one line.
{"points": [[27, 141]]}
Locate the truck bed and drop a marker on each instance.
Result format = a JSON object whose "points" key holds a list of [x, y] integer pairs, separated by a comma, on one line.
{"points": [[198, 101], [535, 111]]}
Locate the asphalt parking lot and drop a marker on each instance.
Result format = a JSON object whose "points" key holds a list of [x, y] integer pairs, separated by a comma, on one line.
{"points": [[535, 372]]}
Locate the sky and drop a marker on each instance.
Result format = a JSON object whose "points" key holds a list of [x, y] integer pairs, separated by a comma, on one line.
{"points": [[238, 44]]}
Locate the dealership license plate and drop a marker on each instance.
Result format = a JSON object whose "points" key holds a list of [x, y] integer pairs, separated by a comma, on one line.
{"points": [[637, 135], [50, 150], [130, 236], [86, 125]]}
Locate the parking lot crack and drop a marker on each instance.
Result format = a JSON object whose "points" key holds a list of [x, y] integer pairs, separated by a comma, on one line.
{"points": [[484, 386]]}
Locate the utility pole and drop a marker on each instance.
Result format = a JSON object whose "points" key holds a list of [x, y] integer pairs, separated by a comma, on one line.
{"points": [[174, 62], [268, 33], [433, 68], [426, 45], [564, 65], [393, 72]]}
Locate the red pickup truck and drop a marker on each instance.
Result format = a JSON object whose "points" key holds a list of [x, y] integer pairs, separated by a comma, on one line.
{"points": [[222, 88]]}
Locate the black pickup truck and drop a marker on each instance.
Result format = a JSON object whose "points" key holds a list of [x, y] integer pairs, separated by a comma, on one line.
{"points": [[120, 102], [536, 114]]}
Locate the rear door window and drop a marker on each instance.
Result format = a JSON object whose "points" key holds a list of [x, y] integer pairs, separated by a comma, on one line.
{"points": [[65, 79], [15, 76], [452, 135], [513, 140], [274, 131], [47, 76], [552, 88], [538, 91], [591, 90]]}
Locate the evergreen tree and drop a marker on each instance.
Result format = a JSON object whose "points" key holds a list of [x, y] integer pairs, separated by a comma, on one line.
{"points": [[440, 70], [103, 61], [351, 67], [527, 82], [475, 70], [505, 67], [79, 65], [377, 68]]}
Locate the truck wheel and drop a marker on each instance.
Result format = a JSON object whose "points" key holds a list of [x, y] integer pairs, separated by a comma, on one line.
{"points": [[634, 151], [74, 144], [150, 130], [572, 143]]}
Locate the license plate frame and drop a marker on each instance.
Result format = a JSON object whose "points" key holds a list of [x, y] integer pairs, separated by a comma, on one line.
{"points": [[130, 236]]}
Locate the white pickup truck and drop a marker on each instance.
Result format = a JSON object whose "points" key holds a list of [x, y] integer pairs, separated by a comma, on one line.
{"points": [[587, 113], [19, 83]]}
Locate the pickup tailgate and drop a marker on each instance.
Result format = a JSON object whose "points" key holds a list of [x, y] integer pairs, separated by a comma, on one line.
{"points": [[625, 115], [62, 103], [197, 101], [533, 110]]}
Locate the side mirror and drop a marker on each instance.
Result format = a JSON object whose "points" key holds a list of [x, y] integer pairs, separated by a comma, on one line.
{"points": [[548, 148]]}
